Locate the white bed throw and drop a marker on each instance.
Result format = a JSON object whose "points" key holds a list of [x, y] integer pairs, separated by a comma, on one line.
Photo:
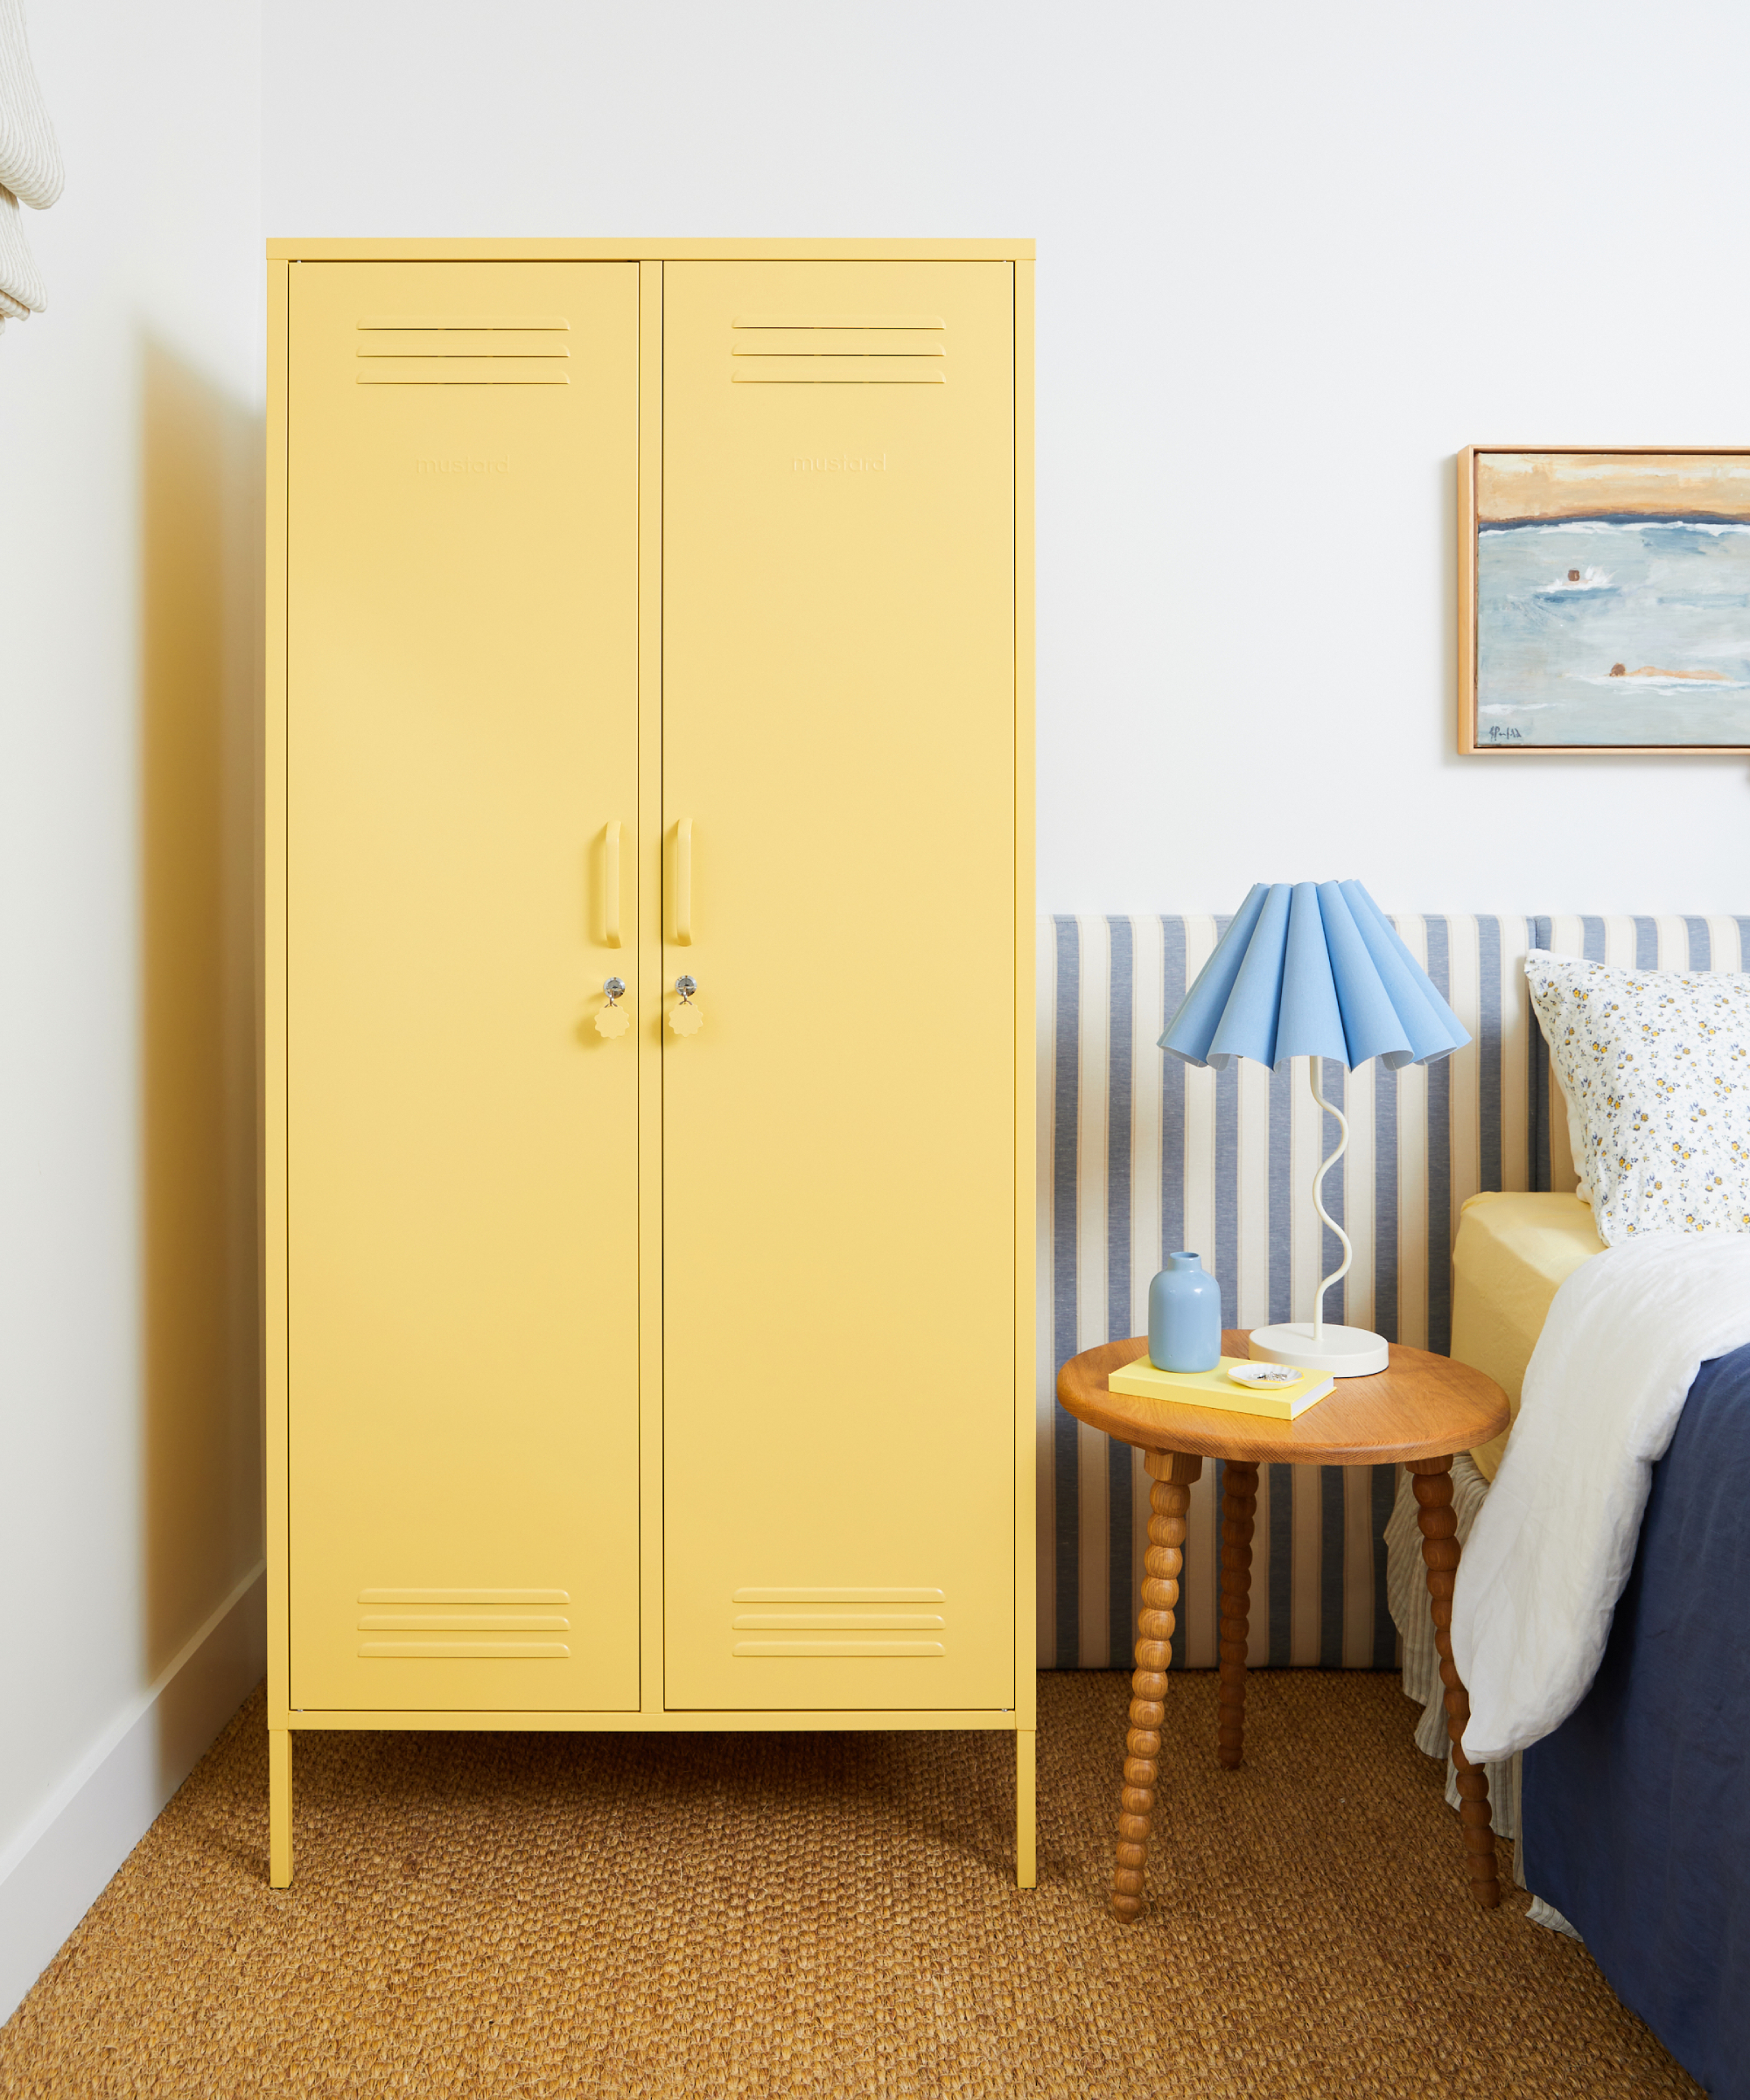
{"points": [[1555, 1541]]}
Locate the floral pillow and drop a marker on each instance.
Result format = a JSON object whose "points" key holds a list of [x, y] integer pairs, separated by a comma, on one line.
{"points": [[1656, 1067]]}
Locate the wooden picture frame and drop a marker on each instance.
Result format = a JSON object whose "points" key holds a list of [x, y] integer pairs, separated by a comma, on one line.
{"points": [[1604, 641]]}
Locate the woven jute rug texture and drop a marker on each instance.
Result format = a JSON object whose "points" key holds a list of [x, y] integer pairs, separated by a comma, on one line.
{"points": [[835, 1914]]}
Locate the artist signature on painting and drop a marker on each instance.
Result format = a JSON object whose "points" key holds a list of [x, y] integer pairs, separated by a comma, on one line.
{"points": [[1499, 734]]}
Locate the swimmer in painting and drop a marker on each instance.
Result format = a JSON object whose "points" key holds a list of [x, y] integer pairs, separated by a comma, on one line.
{"points": [[1652, 671]]}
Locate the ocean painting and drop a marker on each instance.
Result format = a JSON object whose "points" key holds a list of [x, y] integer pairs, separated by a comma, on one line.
{"points": [[1612, 599]]}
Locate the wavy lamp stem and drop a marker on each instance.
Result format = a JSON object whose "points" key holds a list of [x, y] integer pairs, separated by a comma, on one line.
{"points": [[1314, 1081]]}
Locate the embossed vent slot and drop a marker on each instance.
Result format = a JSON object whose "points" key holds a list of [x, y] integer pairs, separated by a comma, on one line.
{"points": [[435, 1614], [838, 350], [814, 1623], [490, 350]]}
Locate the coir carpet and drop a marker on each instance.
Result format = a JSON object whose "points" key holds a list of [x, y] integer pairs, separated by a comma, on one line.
{"points": [[826, 1914]]}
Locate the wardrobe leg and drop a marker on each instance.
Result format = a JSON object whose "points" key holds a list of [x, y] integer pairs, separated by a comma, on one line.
{"points": [[1027, 1810], [279, 1808]]}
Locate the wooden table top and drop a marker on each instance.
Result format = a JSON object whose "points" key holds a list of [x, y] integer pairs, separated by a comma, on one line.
{"points": [[1420, 1407]]}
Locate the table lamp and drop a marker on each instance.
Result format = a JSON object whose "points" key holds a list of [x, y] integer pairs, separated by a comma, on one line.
{"points": [[1315, 970]]}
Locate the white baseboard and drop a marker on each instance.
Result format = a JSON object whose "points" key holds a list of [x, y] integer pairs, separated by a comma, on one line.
{"points": [[61, 1861]]}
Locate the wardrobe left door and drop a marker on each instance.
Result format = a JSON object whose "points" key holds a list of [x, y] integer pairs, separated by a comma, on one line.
{"points": [[461, 771]]}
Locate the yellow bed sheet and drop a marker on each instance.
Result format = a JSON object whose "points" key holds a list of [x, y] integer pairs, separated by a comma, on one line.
{"points": [[1511, 1255]]}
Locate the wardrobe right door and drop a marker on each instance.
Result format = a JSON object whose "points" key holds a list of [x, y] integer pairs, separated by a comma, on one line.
{"points": [[838, 781]]}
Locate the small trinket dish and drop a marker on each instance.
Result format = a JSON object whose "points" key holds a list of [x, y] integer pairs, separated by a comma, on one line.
{"points": [[1266, 1374]]}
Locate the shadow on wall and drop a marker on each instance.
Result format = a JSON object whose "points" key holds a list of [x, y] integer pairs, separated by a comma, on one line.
{"points": [[200, 679]]}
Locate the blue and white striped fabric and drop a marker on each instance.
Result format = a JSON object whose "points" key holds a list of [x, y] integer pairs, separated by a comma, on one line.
{"points": [[1139, 1152]]}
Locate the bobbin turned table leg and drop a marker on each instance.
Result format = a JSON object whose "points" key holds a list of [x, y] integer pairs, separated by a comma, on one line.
{"points": [[1172, 1474], [1239, 1506], [1434, 1512]]}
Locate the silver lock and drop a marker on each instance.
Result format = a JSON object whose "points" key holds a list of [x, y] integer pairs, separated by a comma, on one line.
{"points": [[685, 1018], [614, 1021]]}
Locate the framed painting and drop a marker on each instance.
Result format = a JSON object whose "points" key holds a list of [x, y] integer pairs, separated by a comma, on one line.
{"points": [[1604, 600]]}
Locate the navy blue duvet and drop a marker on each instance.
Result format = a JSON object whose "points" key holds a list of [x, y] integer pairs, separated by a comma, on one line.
{"points": [[1637, 1809]]}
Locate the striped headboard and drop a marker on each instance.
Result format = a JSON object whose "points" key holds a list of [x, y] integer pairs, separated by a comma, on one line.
{"points": [[1139, 1152]]}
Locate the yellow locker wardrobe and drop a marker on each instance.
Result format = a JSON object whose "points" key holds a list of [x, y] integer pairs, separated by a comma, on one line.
{"points": [[648, 990]]}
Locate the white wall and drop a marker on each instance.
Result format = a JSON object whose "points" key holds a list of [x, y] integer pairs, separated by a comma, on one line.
{"points": [[1292, 258], [130, 442]]}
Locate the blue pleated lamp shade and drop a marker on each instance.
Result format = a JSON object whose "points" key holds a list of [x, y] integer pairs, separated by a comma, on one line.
{"points": [[1312, 969]]}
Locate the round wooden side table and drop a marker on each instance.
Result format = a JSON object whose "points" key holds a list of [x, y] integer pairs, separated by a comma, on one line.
{"points": [[1416, 1412]]}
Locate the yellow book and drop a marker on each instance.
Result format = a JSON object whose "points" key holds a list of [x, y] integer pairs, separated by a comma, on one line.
{"points": [[1215, 1388]]}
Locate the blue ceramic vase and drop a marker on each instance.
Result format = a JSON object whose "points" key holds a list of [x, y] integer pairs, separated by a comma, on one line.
{"points": [[1185, 1317]]}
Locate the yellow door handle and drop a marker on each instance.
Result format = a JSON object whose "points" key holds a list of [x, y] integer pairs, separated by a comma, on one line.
{"points": [[611, 886], [683, 883]]}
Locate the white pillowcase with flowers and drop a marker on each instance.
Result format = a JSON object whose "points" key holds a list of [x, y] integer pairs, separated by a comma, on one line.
{"points": [[1656, 1066]]}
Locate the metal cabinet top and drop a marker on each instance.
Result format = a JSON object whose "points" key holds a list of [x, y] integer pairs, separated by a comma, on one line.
{"points": [[648, 251]]}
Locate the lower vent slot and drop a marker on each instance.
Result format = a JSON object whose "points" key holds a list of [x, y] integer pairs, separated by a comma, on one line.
{"points": [[839, 1622], [778, 1650], [477, 1632], [463, 1623], [447, 1651], [865, 1620]]}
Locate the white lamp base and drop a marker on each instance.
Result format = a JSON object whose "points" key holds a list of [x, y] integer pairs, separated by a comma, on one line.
{"points": [[1344, 1352]]}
